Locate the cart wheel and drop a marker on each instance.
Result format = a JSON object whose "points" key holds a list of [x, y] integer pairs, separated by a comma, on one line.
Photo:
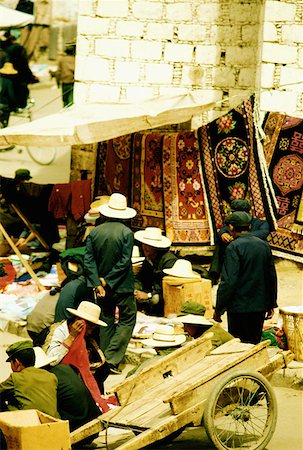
{"points": [[241, 412]]}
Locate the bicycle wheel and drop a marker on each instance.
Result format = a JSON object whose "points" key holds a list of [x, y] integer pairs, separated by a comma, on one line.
{"points": [[241, 412]]}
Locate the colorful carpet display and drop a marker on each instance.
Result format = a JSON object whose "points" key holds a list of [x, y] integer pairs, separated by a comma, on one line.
{"points": [[231, 165], [147, 185], [283, 150], [117, 165], [186, 219]]}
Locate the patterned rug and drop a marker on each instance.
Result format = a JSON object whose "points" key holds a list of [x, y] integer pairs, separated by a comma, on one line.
{"points": [[147, 185], [231, 165], [283, 150], [186, 218], [117, 165]]}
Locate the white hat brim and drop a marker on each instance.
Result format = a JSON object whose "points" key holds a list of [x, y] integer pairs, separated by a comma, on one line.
{"points": [[137, 259], [164, 243], [91, 218], [43, 361], [127, 213], [86, 317], [173, 273], [193, 319], [179, 339]]}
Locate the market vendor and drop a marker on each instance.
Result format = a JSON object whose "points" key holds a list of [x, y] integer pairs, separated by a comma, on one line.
{"points": [[148, 281]]}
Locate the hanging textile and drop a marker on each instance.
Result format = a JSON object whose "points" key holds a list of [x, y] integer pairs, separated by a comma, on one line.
{"points": [[186, 217], [117, 165], [283, 148], [147, 186], [231, 165]]}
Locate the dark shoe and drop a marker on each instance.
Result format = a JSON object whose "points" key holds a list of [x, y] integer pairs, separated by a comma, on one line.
{"points": [[114, 370]]}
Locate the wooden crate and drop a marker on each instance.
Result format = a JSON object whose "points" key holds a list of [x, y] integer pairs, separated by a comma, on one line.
{"points": [[33, 430], [176, 291]]}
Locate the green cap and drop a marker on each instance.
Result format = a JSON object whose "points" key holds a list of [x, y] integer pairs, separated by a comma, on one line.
{"points": [[240, 205], [189, 307], [239, 219], [17, 347], [22, 174]]}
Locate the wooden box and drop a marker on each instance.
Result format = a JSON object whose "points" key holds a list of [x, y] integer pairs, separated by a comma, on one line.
{"points": [[176, 291], [33, 430]]}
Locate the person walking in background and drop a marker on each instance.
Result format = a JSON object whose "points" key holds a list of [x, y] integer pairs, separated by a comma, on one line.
{"points": [[8, 100], [248, 288], [259, 228], [16, 54], [108, 267], [65, 74]]}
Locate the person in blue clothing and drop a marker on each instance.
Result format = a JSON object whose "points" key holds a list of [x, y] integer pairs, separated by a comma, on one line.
{"points": [[108, 267], [248, 287], [259, 228]]}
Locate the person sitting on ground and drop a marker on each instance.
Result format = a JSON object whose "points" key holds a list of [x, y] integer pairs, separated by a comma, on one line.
{"points": [[72, 342], [28, 387], [148, 281], [259, 228], [75, 402]]}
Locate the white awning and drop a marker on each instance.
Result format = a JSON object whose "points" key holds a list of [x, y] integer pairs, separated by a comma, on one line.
{"points": [[96, 122], [10, 18]]}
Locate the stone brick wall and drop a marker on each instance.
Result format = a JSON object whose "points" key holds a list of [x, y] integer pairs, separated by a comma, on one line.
{"points": [[281, 68], [129, 50]]}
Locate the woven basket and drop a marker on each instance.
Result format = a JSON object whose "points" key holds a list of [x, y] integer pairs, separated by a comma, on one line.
{"points": [[293, 326]]}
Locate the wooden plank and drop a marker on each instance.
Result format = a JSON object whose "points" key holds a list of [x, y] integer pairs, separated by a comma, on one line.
{"points": [[251, 360], [166, 426], [30, 226], [24, 262], [88, 429], [135, 386], [277, 362]]}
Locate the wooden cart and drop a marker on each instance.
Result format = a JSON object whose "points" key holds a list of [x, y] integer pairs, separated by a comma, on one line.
{"points": [[227, 390]]}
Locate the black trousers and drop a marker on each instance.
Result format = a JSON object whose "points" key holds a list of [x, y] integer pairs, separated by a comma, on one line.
{"points": [[246, 326]]}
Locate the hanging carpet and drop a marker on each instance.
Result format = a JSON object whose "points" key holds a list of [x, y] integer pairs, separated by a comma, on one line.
{"points": [[231, 165], [117, 164], [186, 217], [147, 186], [283, 150]]}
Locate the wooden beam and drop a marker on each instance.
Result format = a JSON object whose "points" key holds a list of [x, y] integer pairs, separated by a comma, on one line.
{"points": [[30, 226], [24, 262]]}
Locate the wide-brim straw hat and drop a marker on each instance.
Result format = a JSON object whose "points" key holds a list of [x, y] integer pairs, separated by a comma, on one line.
{"points": [[41, 358], [153, 237], [182, 269], [95, 205], [136, 258], [88, 311], [193, 319], [117, 208], [8, 69], [165, 336]]}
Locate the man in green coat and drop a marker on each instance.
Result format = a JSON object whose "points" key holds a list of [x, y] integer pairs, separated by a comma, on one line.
{"points": [[28, 387]]}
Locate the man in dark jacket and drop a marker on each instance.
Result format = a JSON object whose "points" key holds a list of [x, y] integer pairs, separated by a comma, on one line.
{"points": [[259, 228], [248, 289], [148, 281], [108, 267]]}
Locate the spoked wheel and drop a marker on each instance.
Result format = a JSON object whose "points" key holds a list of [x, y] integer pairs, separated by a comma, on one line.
{"points": [[241, 412]]}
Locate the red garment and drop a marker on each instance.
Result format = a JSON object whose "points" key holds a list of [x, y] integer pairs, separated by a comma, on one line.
{"points": [[7, 273], [74, 198], [78, 357]]}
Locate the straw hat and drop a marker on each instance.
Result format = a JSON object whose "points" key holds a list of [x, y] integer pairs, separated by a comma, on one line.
{"points": [[95, 205], [165, 336], [8, 69], [136, 258], [152, 236], [183, 269], [88, 311], [193, 319], [41, 358], [117, 208]]}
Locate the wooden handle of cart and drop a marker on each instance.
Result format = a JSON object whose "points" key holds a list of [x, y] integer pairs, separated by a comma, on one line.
{"points": [[30, 226], [24, 262]]}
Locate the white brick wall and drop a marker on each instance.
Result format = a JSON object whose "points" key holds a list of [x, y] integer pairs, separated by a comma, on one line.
{"points": [[130, 49]]}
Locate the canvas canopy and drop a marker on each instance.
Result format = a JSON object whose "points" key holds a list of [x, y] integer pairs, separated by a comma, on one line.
{"points": [[10, 18], [96, 122]]}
